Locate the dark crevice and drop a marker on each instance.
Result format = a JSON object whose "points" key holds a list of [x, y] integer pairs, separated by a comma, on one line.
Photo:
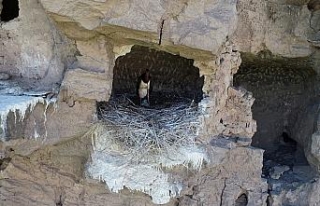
{"points": [[285, 154], [269, 200], [4, 163], [222, 192], [60, 197], [172, 77], [285, 109], [59, 203], [161, 30], [313, 5], [242, 200], [284, 91], [10, 10]]}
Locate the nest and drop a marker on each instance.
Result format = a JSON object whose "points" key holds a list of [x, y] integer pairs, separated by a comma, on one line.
{"points": [[150, 129]]}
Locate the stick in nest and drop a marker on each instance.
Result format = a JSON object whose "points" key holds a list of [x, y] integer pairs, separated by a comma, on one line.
{"points": [[151, 130]]}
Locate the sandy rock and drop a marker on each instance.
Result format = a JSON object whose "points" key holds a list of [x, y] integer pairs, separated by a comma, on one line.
{"points": [[95, 55], [277, 171], [30, 120], [197, 24], [62, 168], [4, 76], [62, 187], [32, 48], [306, 194], [221, 186], [77, 42], [260, 27], [79, 84], [312, 150]]}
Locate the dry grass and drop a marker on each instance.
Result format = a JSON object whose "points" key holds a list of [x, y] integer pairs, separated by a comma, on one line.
{"points": [[150, 130]]}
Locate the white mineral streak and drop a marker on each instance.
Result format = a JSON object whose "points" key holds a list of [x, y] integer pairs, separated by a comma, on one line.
{"points": [[36, 134], [117, 173], [185, 155], [52, 101], [15, 104], [113, 166]]}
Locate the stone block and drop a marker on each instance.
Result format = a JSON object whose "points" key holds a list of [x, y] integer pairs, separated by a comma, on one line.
{"points": [[81, 84]]}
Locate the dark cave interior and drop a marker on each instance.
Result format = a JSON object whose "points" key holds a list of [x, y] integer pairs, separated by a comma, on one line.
{"points": [[10, 10], [172, 77], [284, 107]]}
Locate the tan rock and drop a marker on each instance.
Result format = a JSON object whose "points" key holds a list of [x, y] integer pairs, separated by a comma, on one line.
{"points": [[32, 48], [4, 76], [50, 155], [305, 194], [81, 84], [312, 150], [95, 55], [279, 26], [194, 24]]}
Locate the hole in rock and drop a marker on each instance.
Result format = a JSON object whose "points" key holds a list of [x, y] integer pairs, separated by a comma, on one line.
{"points": [[172, 77], [10, 10], [313, 5], [284, 109], [4, 163], [242, 200], [174, 93]]}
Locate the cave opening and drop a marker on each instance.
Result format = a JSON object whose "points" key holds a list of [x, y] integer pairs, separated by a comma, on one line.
{"points": [[173, 78], [170, 118], [285, 92], [10, 10], [242, 200]]}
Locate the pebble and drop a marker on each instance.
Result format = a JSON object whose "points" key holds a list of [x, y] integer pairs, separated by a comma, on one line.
{"points": [[4, 76], [278, 171]]}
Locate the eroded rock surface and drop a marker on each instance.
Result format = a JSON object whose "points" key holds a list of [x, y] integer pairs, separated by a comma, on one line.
{"points": [[32, 48], [64, 53], [56, 173]]}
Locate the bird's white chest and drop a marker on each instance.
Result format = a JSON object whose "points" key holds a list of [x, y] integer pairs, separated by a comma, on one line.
{"points": [[143, 89]]}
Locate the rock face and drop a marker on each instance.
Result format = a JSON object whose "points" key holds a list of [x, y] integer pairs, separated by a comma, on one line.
{"points": [[34, 49], [203, 25], [78, 83], [283, 27], [250, 69]]}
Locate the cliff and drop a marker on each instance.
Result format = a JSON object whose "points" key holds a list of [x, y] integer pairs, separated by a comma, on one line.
{"points": [[233, 114]]}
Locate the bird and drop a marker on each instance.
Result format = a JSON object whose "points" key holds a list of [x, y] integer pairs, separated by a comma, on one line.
{"points": [[144, 86]]}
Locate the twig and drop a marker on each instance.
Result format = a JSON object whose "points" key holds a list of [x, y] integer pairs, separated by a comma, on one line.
{"points": [[148, 130]]}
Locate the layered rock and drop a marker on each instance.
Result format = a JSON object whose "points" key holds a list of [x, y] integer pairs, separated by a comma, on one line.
{"points": [[32, 48], [76, 44], [283, 27]]}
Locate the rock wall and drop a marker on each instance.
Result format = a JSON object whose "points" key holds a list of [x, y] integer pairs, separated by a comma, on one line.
{"points": [[33, 49], [67, 51], [279, 26], [1, 5], [182, 24]]}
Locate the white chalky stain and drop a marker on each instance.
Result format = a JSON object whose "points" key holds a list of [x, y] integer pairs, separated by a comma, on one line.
{"points": [[113, 168], [15, 104]]}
